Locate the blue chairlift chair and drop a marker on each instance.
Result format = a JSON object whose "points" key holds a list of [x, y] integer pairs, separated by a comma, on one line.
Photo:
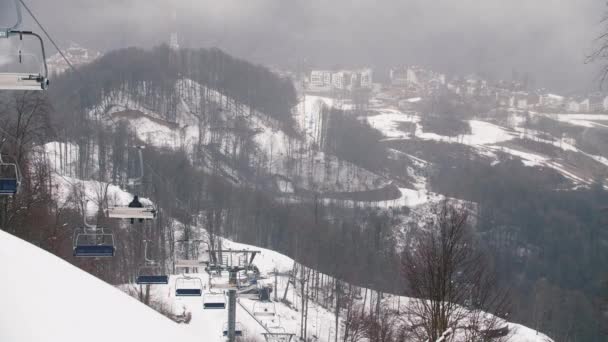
{"points": [[238, 329], [186, 286], [94, 243], [214, 301], [151, 273], [9, 178]]}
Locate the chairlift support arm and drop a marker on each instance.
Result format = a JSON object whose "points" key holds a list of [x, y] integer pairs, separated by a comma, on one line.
{"points": [[33, 34]]}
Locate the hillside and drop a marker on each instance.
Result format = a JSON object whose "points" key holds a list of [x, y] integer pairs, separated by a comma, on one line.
{"points": [[37, 285]]}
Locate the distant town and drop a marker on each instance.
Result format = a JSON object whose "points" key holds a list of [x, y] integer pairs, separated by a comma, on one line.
{"points": [[409, 85]]}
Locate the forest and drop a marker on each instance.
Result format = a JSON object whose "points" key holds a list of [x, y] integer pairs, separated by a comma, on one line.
{"points": [[537, 234]]}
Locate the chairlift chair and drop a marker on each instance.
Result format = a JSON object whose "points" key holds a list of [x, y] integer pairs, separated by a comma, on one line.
{"points": [[139, 212], [252, 277], [120, 212], [150, 273], [186, 286], [272, 324], [93, 243], [264, 309], [214, 301], [280, 336], [238, 329], [276, 329], [9, 178], [11, 80]]}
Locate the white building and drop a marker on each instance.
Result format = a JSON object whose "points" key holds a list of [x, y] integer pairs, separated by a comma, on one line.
{"points": [[551, 101], [573, 106], [596, 102], [339, 80], [398, 77], [366, 78], [585, 106], [76, 54], [320, 78], [605, 103], [411, 76], [354, 80]]}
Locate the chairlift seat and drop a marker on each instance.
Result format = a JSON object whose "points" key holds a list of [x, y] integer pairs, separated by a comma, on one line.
{"points": [[145, 213], [214, 301], [152, 279], [8, 186], [22, 81], [237, 333], [188, 287], [218, 305], [94, 251], [188, 292], [238, 329], [96, 243], [189, 263], [264, 309], [9, 178]]}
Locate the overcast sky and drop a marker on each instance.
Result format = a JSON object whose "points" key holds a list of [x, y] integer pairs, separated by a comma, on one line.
{"points": [[548, 38]]}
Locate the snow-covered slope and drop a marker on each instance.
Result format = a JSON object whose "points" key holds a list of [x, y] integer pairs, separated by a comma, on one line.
{"points": [[489, 139], [281, 156], [46, 299]]}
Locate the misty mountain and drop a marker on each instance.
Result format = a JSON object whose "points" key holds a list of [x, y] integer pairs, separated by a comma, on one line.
{"points": [[547, 39]]}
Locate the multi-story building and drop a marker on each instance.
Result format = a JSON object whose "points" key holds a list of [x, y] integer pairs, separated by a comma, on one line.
{"points": [[339, 80], [551, 101], [585, 106], [596, 102], [398, 77], [320, 78], [366, 78], [411, 76], [573, 106], [519, 100]]}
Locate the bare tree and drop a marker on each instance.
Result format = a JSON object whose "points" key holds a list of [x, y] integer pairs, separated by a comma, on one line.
{"points": [[451, 282], [600, 53]]}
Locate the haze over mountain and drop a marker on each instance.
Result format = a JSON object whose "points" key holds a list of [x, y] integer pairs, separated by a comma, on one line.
{"points": [[493, 37]]}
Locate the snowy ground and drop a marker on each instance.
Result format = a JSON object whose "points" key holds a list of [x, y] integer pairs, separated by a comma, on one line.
{"points": [[487, 138], [209, 323], [583, 120], [46, 299], [286, 318]]}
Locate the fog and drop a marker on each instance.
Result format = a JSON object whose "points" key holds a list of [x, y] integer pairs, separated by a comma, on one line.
{"points": [[547, 38]]}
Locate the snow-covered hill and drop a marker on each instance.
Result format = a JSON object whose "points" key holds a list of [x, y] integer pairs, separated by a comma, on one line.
{"points": [[46, 299], [292, 161]]}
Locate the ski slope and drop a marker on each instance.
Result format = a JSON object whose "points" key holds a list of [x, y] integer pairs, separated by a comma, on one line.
{"points": [[46, 299]]}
